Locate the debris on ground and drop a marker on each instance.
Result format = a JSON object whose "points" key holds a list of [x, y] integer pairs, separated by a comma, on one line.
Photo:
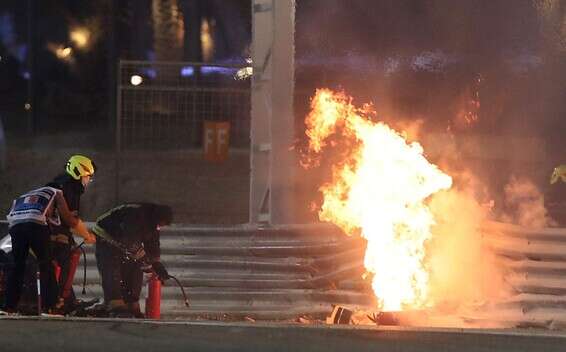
{"points": [[307, 319], [339, 315]]}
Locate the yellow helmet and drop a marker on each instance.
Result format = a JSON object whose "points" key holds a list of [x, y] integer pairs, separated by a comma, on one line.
{"points": [[558, 173], [79, 165]]}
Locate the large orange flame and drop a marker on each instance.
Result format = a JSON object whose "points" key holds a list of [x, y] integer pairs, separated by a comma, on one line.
{"points": [[380, 191]]}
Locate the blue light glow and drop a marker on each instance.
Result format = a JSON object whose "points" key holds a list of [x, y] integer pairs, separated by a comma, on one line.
{"points": [[221, 70], [150, 72], [187, 71]]}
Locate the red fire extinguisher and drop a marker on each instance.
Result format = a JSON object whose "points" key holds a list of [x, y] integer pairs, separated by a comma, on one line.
{"points": [[153, 300]]}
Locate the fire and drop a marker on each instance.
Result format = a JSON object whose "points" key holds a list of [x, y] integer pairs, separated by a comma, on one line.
{"points": [[379, 190]]}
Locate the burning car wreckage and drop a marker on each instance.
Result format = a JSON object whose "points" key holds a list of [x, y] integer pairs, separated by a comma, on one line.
{"points": [[424, 258], [378, 191], [424, 255]]}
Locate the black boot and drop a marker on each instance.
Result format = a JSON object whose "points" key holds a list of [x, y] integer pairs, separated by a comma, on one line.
{"points": [[98, 310], [135, 310]]}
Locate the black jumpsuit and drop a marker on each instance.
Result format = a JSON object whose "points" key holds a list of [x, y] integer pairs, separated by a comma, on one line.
{"points": [[134, 226]]}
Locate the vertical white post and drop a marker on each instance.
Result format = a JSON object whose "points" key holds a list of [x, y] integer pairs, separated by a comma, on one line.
{"points": [[272, 126]]}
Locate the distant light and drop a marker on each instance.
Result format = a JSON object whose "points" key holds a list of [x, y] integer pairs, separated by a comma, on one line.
{"points": [[149, 72], [80, 36], [136, 80], [63, 53], [187, 71], [207, 39], [244, 73], [27, 106], [206, 70], [217, 69], [26, 75]]}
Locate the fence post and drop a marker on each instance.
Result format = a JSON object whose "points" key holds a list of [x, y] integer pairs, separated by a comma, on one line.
{"points": [[2, 146], [118, 133]]}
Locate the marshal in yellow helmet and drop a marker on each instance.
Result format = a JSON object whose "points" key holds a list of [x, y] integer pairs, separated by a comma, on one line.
{"points": [[558, 173], [80, 166]]}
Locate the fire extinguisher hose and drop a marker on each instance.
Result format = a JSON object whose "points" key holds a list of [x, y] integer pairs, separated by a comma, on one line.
{"points": [[84, 267], [112, 242], [68, 257], [182, 290]]}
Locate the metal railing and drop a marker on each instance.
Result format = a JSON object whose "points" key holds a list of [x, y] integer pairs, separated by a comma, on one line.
{"points": [[161, 111], [162, 105], [283, 273]]}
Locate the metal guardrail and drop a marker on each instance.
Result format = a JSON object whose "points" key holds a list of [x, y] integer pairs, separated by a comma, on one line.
{"points": [[261, 274], [271, 274], [534, 266], [285, 272]]}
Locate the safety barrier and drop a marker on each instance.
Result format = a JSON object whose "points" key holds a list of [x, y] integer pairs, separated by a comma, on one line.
{"points": [[282, 273], [534, 264], [234, 273]]}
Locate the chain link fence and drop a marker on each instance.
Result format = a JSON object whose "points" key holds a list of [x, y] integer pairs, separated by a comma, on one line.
{"points": [[162, 110], [164, 105]]}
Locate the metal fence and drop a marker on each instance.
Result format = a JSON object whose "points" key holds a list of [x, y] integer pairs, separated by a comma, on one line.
{"points": [[164, 104], [162, 108]]}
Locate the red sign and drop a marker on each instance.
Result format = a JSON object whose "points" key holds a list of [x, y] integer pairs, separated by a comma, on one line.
{"points": [[216, 139]]}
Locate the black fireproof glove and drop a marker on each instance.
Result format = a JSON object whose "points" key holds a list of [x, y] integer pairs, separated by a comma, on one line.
{"points": [[160, 271]]}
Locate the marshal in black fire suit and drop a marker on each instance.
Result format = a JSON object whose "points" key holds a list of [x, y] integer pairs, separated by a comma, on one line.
{"points": [[73, 182], [62, 241], [128, 245]]}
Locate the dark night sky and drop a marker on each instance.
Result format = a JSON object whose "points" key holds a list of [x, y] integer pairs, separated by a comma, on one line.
{"points": [[353, 44], [415, 59], [418, 58]]}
